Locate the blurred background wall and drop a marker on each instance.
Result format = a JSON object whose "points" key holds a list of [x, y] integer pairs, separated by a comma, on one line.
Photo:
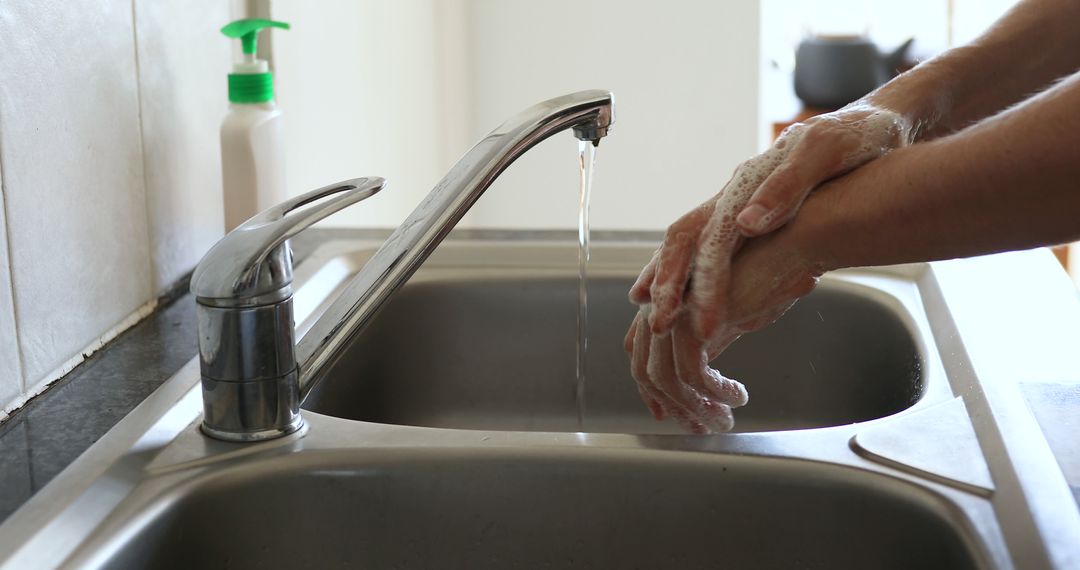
{"points": [[402, 89]]}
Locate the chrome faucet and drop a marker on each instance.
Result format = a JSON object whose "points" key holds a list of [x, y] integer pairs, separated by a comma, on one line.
{"points": [[253, 377]]}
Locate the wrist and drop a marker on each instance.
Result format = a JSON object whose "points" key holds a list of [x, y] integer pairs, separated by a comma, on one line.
{"points": [[925, 96], [811, 235], [871, 215]]}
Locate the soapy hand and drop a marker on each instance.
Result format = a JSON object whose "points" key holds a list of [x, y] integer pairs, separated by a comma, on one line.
{"points": [[688, 280], [672, 368], [764, 193]]}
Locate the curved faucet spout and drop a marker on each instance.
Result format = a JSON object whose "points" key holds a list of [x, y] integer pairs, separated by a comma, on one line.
{"points": [[589, 114]]}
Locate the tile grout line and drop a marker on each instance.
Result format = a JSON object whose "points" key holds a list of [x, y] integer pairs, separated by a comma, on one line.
{"points": [[30, 391], [19, 368], [142, 150], [52, 377]]}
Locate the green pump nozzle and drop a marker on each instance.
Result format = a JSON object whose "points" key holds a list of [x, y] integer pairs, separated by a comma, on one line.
{"points": [[251, 80], [247, 31]]}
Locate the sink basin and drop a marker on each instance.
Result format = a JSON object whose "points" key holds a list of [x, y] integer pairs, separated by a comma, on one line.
{"points": [[491, 346], [436, 508]]}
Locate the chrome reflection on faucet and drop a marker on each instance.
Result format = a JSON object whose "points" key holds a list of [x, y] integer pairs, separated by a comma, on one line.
{"points": [[243, 294], [253, 375]]}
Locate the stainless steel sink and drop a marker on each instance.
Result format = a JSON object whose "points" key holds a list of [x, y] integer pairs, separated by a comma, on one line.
{"points": [[884, 431], [548, 508], [498, 346]]}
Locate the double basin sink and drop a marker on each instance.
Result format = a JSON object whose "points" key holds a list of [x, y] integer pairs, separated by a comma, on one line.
{"points": [[447, 436]]}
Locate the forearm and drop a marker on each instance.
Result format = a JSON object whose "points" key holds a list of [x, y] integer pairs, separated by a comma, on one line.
{"points": [[1035, 43], [1009, 182]]}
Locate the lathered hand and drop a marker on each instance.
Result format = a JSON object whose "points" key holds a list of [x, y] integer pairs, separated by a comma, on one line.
{"points": [[674, 378], [764, 193], [672, 368], [688, 280]]}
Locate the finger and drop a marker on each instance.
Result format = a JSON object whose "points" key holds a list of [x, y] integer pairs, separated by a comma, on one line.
{"points": [[720, 238], [639, 362], [653, 402], [639, 291], [628, 340], [648, 395], [689, 424], [673, 266], [720, 241], [660, 371], [679, 400], [810, 162], [720, 419], [708, 301], [692, 367], [670, 283], [642, 344], [818, 153], [710, 279], [714, 416]]}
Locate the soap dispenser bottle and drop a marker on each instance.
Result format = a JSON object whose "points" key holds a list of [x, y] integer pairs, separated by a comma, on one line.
{"points": [[252, 143]]}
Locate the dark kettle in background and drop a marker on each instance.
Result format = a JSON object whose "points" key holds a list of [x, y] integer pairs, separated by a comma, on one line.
{"points": [[832, 71]]}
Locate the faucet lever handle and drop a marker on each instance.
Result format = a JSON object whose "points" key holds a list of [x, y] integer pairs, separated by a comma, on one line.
{"points": [[252, 265]]}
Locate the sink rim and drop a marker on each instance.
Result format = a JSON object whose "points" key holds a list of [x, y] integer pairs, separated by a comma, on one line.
{"points": [[170, 489]]}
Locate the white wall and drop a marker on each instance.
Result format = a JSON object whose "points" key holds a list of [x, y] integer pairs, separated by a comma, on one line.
{"points": [[109, 170], [684, 75], [402, 88], [358, 84]]}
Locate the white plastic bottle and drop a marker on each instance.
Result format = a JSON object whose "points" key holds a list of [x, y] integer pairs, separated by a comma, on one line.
{"points": [[252, 142]]}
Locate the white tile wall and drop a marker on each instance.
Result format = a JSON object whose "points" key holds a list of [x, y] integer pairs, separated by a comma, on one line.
{"points": [[183, 64], [73, 176], [109, 169]]}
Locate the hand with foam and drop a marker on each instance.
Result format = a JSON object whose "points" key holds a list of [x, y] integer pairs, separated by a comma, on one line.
{"points": [[688, 316], [672, 368], [764, 193]]}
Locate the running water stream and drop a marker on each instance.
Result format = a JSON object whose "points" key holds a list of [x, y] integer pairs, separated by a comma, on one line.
{"points": [[586, 158]]}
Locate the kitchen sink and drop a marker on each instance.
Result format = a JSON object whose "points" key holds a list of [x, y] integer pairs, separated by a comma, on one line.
{"points": [[437, 508], [884, 430], [498, 345], [500, 353]]}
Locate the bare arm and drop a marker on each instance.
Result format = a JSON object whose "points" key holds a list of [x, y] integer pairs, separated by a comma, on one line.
{"points": [[1009, 182], [1033, 44]]}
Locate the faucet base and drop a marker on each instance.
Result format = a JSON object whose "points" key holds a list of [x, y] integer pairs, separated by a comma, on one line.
{"points": [[251, 411], [253, 436]]}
